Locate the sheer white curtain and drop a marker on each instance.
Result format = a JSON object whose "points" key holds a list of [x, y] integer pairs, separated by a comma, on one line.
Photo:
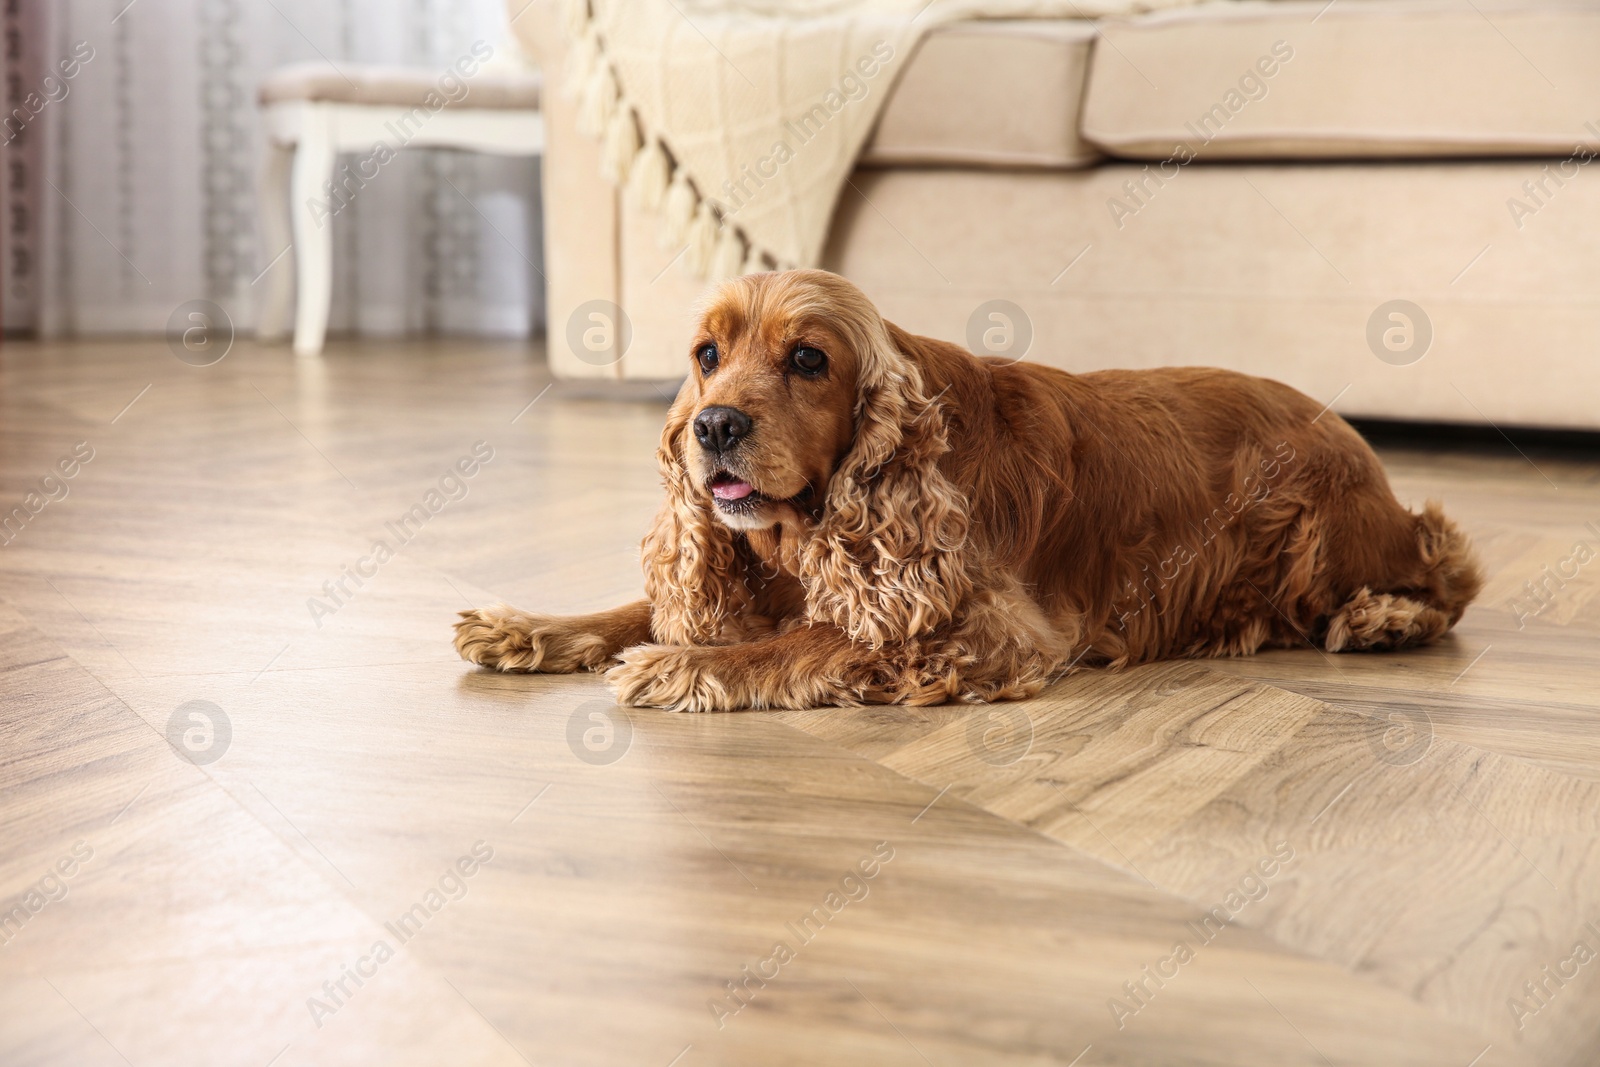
{"points": [[131, 184]]}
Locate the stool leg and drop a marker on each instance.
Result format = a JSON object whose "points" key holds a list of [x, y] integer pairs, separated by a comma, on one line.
{"points": [[277, 232], [313, 230]]}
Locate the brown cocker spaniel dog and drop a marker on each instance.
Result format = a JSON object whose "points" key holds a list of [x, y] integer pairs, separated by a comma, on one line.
{"points": [[856, 515]]}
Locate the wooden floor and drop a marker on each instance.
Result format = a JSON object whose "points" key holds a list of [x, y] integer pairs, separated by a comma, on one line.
{"points": [[1294, 859]]}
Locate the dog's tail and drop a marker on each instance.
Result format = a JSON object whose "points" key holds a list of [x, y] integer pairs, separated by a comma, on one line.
{"points": [[1449, 579]]}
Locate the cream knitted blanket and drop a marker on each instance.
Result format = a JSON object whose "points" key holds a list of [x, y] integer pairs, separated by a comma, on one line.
{"points": [[739, 121]]}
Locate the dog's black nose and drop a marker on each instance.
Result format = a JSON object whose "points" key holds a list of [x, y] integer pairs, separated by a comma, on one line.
{"points": [[719, 429]]}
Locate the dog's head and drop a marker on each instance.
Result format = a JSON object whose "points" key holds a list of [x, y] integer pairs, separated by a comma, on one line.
{"points": [[800, 411], [769, 408]]}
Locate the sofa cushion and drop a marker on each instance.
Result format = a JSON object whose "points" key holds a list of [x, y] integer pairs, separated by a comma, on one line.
{"points": [[1001, 93], [1352, 78]]}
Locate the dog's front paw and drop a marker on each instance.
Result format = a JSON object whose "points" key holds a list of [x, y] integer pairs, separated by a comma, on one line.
{"points": [[673, 677], [506, 639]]}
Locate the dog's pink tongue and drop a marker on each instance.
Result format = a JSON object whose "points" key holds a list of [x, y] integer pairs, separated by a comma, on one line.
{"points": [[732, 490]]}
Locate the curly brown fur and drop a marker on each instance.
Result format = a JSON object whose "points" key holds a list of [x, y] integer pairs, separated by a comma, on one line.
{"points": [[920, 526]]}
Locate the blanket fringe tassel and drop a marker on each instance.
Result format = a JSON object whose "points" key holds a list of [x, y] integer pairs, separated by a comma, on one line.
{"points": [[652, 171], [678, 210]]}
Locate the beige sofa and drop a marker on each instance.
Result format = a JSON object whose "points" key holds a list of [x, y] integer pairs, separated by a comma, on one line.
{"points": [[1252, 185]]}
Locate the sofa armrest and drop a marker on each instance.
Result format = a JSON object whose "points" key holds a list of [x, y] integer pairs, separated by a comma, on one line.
{"points": [[581, 209], [536, 25]]}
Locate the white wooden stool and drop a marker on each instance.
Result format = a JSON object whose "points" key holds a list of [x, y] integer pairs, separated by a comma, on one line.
{"points": [[314, 111]]}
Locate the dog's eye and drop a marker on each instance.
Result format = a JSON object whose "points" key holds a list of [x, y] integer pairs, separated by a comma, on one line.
{"points": [[707, 356], [808, 360]]}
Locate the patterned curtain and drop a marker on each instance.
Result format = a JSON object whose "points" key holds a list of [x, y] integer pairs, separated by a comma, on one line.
{"points": [[132, 146]]}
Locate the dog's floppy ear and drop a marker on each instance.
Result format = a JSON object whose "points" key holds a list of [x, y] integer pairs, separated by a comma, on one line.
{"points": [[887, 560], [693, 567]]}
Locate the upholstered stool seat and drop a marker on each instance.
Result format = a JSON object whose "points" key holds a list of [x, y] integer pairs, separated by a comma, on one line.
{"points": [[377, 85], [314, 111]]}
